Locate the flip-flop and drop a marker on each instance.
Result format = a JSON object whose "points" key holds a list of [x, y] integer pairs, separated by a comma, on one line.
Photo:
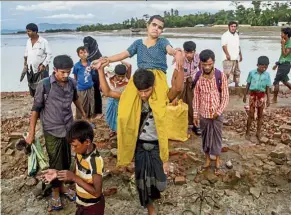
{"points": [[112, 134], [202, 169], [196, 130], [52, 207], [71, 195], [218, 171]]}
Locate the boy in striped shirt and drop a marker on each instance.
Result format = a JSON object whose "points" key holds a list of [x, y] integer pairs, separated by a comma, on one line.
{"points": [[88, 172]]}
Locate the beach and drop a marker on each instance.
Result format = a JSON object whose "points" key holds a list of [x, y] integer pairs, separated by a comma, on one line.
{"points": [[257, 184]]}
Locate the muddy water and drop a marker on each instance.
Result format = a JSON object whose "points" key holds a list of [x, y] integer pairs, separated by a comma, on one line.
{"points": [[13, 47]]}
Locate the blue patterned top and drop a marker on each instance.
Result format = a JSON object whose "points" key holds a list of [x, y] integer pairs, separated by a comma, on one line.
{"points": [[154, 57]]}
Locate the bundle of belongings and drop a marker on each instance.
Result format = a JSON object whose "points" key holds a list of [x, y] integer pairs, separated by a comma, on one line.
{"points": [[36, 157]]}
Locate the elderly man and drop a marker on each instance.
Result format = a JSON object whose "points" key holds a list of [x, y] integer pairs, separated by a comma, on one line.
{"points": [[37, 57], [231, 53]]}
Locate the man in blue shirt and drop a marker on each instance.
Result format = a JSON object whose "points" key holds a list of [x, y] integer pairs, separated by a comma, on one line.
{"points": [[83, 74], [258, 83]]}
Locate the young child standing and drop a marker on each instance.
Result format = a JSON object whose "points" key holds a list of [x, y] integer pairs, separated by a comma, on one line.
{"points": [[83, 75], [191, 67], [258, 84], [117, 81], [88, 172]]}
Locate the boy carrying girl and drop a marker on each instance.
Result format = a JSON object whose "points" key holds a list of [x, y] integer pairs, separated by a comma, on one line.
{"points": [[258, 84]]}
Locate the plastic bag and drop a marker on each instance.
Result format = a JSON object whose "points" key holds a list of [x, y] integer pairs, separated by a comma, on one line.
{"points": [[32, 163], [36, 158], [177, 121]]}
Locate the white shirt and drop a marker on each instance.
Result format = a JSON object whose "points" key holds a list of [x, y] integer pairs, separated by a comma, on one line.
{"points": [[231, 41], [37, 54]]}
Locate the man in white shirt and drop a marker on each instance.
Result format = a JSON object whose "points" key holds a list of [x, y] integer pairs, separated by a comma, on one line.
{"points": [[37, 57], [231, 53]]}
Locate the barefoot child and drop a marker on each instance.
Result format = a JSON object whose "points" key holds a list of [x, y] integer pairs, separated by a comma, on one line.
{"points": [[117, 82], [151, 155], [83, 75], [151, 55], [258, 84], [191, 67], [88, 170]]}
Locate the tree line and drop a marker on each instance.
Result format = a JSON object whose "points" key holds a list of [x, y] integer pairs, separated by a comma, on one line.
{"points": [[260, 14]]}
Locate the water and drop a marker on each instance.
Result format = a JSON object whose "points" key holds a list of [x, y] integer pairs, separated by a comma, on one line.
{"points": [[13, 47]]}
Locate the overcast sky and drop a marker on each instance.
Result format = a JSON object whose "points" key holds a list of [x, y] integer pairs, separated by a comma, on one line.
{"points": [[15, 15]]}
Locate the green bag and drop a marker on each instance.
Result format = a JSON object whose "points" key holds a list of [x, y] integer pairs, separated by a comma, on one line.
{"points": [[37, 158]]}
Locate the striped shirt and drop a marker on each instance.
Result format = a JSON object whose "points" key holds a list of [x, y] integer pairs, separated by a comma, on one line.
{"points": [[86, 167], [190, 68], [207, 100]]}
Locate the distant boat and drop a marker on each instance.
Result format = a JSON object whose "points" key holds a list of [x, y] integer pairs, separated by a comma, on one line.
{"points": [[135, 30]]}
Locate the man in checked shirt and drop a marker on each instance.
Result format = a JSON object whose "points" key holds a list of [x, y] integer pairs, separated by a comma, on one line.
{"points": [[211, 98]]}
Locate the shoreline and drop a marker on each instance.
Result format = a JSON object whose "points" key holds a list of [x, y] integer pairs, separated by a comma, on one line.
{"points": [[246, 32], [232, 91]]}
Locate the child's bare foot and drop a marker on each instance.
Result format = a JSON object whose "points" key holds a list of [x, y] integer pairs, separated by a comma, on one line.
{"points": [[248, 136], [274, 101], [258, 135]]}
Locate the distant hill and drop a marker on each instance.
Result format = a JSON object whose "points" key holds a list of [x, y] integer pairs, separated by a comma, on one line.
{"points": [[49, 26], [43, 27]]}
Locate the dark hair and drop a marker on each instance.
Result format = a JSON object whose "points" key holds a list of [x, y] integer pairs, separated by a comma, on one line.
{"points": [[206, 54], [33, 27], [143, 79], [120, 69], [189, 46], [63, 62], [286, 31], [263, 60], [158, 17], [80, 130], [232, 22], [83, 48]]}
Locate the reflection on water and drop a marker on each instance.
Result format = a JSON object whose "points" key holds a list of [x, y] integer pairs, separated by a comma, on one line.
{"points": [[13, 46]]}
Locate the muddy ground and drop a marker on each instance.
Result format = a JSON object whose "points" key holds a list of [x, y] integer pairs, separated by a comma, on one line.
{"points": [[258, 183]]}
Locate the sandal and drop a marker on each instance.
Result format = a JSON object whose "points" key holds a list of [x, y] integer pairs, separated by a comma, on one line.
{"points": [[196, 130], [71, 195], [112, 134], [52, 207], [218, 171], [202, 169]]}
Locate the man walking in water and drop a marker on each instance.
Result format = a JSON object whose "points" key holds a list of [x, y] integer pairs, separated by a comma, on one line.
{"points": [[37, 57]]}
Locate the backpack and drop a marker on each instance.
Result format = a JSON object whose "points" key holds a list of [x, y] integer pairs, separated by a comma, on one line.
{"points": [[218, 78], [47, 86]]}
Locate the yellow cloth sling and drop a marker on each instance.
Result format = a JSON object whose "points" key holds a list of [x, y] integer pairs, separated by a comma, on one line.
{"points": [[129, 111]]}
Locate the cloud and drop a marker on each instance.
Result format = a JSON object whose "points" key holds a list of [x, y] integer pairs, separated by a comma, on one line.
{"points": [[197, 6], [6, 20], [56, 5], [70, 16]]}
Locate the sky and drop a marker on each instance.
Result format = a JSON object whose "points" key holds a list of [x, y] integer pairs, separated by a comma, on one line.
{"points": [[15, 15]]}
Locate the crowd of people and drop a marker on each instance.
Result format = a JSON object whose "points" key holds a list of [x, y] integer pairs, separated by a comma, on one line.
{"points": [[136, 107]]}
